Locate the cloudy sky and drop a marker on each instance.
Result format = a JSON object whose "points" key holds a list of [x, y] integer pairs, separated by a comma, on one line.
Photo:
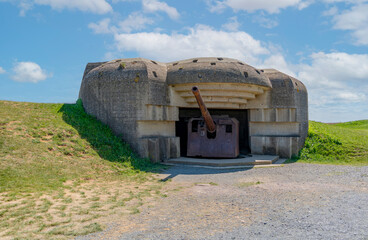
{"points": [[45, 44]]}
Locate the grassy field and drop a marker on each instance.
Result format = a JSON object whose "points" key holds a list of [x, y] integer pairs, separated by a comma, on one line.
{"points": [[342, 143], [63, 173]]}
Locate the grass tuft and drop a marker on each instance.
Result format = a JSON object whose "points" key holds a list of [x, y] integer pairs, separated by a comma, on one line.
{"points": [[247, 184]]}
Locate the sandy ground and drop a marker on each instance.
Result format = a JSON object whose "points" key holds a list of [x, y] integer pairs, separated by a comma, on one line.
{"points": [[296, 201]]}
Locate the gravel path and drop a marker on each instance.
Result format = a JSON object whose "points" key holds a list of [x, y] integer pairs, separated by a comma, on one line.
{"points": [[297, 201]]}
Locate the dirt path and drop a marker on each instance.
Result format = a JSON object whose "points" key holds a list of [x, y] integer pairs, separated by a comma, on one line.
{"points": [[291, 202]]}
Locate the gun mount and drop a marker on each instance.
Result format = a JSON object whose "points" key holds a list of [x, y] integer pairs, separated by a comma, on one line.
{"points": [[214, 137], [211, 127]]}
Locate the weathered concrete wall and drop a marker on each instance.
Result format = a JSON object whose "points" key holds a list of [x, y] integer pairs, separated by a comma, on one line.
{"points": [[214, 70], [130, 96], [282, 128], [140, 100]]}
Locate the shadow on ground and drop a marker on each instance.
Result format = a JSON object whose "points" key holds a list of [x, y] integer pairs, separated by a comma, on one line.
{"points": [[190, 170]]}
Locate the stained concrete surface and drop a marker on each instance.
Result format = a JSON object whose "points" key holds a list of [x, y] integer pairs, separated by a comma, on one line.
{"points": [[242, 160]]}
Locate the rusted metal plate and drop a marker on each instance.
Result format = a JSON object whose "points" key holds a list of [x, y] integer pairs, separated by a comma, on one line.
{"points": [[223, 143]]}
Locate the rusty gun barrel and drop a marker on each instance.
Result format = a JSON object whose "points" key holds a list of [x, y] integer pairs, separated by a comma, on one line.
{"points": [[211, 127]]}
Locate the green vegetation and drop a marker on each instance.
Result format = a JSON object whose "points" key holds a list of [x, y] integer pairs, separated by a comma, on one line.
{"points": [[61, 170], [205, 184], [63, 173], [342, 143], [247, 184], [44, 145], [361, 124]]}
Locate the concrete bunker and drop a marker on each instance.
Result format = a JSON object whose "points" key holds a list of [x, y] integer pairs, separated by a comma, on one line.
{"points": [[148, 103]]}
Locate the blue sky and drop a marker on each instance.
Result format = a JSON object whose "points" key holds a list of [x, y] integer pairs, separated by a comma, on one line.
{"points": [[45, 44]]}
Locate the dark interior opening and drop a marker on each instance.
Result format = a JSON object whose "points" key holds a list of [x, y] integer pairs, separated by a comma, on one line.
{"points": [[229, 128], [181, 126], [211, 135]]}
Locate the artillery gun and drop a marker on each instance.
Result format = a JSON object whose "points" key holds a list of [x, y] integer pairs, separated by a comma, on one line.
{"points": [[212, 136]]}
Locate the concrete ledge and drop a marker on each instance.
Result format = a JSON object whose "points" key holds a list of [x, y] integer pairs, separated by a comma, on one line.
{"points": [[252, 161]]}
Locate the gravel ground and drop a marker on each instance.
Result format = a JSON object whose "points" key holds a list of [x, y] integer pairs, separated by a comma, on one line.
{"points": [[296, 201]]}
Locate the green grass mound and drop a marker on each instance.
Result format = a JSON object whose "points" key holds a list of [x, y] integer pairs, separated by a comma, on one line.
{"points": [[361, 124], [42, 146], [343, 143]]}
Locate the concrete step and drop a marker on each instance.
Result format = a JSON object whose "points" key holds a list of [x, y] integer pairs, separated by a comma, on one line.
{"points": [[240, 161]]}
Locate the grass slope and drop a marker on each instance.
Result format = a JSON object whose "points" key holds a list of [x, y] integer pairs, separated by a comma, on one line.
{"points": [[342, 143], [61, 170], [44, 145]]}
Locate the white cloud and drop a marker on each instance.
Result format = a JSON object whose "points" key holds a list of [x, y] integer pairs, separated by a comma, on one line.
{"points": [[111, 55], [135, 21], [94, 6], [154, 6], [341, 112], [337, 82], [28, 72], [331, 12], [215, 5], [355, 20], [24, 7], [201, 41], [116, 1], [101, 27], [345, 1], [277, 61], [232, 25], [305, 4], [2, 70], [265, 22], [336, 78], [270, 6]]}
